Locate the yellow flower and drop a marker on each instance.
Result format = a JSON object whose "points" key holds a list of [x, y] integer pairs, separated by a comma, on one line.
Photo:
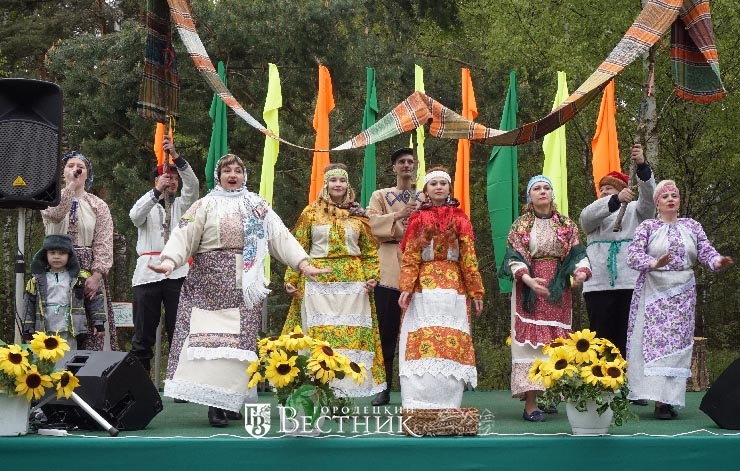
{"points": [[48, 347], [356, 372], [322, 351], [585, 346], [13, 360], [253, 368], [255, 379], [66, 382], [297, 341], [32, 383], [613, 375], [535, 373], [592, 373], [508, 341], [558, 342], [558, 364], [320, 370], [281, 370]]}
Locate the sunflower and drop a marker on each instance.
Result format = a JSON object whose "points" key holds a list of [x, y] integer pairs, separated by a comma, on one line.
{"points": [[32, 383], [558, 342], [356, 371], [558, 364], [593, 373], [613, 375], [13, 360], [48, 347], [281, 370], [66, 382], [255, 379], [268, 345], [322, 351], [253, 368], [297, 341], [584, 345], [535, 373], [320, 370]]}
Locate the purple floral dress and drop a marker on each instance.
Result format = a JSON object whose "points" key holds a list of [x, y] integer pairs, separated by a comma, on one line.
{"points": [[660, 335]]}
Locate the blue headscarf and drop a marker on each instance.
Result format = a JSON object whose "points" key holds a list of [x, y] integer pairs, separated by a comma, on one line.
{"points": [[535, 179], [76, 155]]}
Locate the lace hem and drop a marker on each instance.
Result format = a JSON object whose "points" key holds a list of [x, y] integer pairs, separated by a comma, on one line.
{"points": [[335, 288], [208, 395], [440, 367], [360, 392], [330, 318], [206, 353], [667, 371]]}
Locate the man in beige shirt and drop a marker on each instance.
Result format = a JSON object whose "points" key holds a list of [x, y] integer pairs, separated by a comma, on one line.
{"points": [[388, 210]]}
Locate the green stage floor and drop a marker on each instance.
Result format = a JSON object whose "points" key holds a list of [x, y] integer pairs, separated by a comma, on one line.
{"points": [[180, 438]]}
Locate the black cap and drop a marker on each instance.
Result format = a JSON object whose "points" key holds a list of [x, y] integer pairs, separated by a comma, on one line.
{"points": [[401, 152]]}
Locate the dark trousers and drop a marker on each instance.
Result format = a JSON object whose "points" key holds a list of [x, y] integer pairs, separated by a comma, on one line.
{"points": [[608, 314], [147, 307], [389, 324]]}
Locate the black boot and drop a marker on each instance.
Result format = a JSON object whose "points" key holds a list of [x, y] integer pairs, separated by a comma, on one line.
{"points": [[382, 398], [217, 417], [231, 415]]}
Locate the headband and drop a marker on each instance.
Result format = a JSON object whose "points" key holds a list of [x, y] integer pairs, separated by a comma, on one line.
{"points": [[335, 172], [536, 179], [664, 189], [437, 174]]}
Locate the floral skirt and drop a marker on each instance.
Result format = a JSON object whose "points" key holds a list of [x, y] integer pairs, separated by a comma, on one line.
{"points": [[215, 336]]}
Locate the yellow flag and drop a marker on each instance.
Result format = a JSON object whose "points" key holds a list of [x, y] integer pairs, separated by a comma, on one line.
{"points": [[419, 87], [554, 148]]}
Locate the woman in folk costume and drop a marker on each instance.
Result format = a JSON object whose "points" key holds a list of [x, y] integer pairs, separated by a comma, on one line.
{"points": [[229, 232], [87, 220], [439, 277], [338, 307], [660, 336], [543, 253]]}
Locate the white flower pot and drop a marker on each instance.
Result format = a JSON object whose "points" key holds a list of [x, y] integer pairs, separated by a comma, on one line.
{"points": [[297, 423], [588, 422], [13, 415]]}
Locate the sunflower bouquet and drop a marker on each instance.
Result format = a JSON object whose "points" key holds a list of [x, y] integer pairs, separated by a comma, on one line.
{"points": [[302, 370], [30, 371], [583, 368]]}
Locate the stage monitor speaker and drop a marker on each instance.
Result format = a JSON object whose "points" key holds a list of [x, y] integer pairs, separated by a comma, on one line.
{"points": [[114, 384], [30, 141], [721, 402]]}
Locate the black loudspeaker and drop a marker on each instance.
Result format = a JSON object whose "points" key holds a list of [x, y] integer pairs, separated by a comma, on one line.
{"points": [[114, 384], [30, 141], [721, 402]]}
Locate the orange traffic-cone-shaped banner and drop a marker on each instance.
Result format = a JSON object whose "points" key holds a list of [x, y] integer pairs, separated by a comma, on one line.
{"points": [[605, 145], [462, 168], [324, 106]]}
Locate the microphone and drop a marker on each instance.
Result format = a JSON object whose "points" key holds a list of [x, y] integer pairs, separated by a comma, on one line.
{"points": [[78, 172]]}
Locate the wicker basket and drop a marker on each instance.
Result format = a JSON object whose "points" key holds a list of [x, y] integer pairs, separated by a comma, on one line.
{"points": [[439, 422]]}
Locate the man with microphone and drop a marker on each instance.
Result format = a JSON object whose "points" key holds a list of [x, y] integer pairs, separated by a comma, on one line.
{"points": [[152, 289]]}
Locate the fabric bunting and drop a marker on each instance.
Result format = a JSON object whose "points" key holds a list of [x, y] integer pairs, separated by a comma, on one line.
{"points": [[696, 77], [502, 179], [462, 168], [369, 167], [605, 144], [219, 133], [421, 164], [555, 167], [324, 106]]}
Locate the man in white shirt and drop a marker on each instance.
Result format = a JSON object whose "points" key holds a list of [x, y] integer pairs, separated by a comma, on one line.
{"points": [[152, 289]]}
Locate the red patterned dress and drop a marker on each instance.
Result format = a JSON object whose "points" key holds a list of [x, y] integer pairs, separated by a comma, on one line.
{"points": [[546, 248], [440, 268]]}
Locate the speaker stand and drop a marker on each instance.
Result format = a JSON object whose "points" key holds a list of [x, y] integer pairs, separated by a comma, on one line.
{"points": [[20, 273]]}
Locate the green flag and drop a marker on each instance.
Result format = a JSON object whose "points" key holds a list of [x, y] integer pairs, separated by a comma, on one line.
{"points": [[502, 178], [219, 143], [369, 174]]}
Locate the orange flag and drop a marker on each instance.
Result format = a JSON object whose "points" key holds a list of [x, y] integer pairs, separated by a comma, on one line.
{"points": [[324, 105], [462, 169], [158, 138], [605, 146]]}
